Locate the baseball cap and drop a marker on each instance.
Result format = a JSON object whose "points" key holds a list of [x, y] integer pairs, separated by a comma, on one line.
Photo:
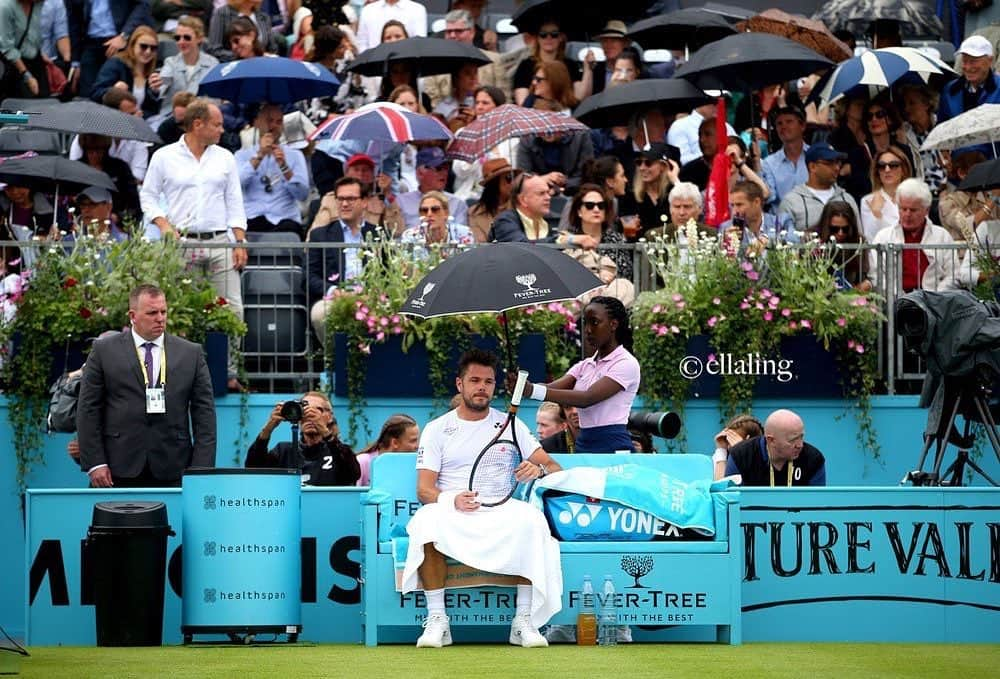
{"points": [[360, 158], [431, 156], [660, 151], [613, 29], [95, 194], [823, 151], [976, 46]]}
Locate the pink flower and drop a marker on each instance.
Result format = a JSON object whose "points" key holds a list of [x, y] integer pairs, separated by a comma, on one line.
{"points": [[397, 330], [712, 321], [806, 323], [102, 311], [333, 277], [753, 275], [678, 297], [383, 297], [765, 293], [786, 312], [365, 309], [359, 316], [793, 325], [657, 308], [395, 319], [759, 305], [746, 266], [710, 357], [383, 321], [860, 348], [380, 336], [530, 310], [850, 344], [680, 305], [768, 316], [661, 331], [841, 321], [364, 348], [745, 305], [860, 301]]}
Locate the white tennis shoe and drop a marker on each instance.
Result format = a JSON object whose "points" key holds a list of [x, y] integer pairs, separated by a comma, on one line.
{"points": [[523, 633], [437, 632]]}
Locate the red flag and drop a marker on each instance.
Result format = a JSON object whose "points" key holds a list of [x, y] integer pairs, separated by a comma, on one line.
{"points": [[717, 192]]}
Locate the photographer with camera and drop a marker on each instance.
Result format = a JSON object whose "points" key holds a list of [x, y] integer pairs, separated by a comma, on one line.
{"points": [[323, 458]]}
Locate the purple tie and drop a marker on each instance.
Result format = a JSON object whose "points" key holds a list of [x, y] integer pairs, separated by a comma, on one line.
{"points": [[148, 361]]}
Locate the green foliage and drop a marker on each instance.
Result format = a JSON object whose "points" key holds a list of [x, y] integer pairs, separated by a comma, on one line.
{"points": [[77, 292], [747, 302]]}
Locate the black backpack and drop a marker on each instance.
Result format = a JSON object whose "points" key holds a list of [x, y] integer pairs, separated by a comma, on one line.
{"points": [[62, 405]]}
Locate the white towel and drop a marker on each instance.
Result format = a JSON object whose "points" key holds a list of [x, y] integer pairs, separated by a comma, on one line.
{"points": [[513, 539]]}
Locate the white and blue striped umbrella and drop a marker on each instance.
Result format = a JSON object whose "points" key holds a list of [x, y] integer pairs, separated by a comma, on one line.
{"points": [[877, 70], [383, 122]]}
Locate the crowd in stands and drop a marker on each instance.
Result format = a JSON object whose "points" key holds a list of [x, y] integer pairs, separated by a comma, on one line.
{"points": [[853, 172]]}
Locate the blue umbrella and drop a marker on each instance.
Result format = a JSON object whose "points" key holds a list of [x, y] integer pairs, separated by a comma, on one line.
{"points": [[876, 70], [382, 122], [276, 80]]}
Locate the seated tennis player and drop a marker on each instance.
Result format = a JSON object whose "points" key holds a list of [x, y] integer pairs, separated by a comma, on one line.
{"points": [[476, 447]]}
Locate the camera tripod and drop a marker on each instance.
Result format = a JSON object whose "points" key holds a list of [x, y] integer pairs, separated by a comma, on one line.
{"points": [[970, 402]]}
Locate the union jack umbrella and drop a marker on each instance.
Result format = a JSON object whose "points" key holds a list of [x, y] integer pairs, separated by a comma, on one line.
{"points": [[383, 122], [508, 122]]}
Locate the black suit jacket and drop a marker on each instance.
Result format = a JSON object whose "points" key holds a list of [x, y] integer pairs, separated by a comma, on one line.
{"points": [[507, 228], [111, 418], [324, 262], [127, 14]]}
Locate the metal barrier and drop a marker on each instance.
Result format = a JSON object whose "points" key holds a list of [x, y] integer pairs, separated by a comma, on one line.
{"points": [[282, 351]]}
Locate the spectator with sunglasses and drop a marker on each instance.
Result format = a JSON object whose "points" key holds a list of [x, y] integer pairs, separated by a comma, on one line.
{"points": [[883, 127], [549, 46], [656, 172], [436, 227], [839, 225], [878, 208], [274, 177], [183, 71], [133, 70], [592, 214]]}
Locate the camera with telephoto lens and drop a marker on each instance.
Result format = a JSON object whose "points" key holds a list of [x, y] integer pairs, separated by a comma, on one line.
{"points": [[292, 411], [663, 424]]}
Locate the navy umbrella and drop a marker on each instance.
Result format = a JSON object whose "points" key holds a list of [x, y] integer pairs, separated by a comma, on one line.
{"points": [[275, 80]]}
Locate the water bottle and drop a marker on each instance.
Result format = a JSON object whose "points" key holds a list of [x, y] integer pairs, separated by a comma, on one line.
{"points": [[586, 619], [607, 624]]}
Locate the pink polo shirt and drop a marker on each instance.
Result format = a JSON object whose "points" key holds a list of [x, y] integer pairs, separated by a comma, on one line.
{"points": [[620, 366]]}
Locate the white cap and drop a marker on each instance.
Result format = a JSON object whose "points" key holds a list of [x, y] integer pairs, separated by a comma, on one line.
{"points": [[976, 46]]}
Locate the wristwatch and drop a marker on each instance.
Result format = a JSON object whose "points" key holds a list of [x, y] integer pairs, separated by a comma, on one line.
{"points": [[543, 471]]}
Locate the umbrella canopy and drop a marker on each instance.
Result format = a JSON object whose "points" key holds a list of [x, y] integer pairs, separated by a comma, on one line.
{"points": [[750, 61], [576, 21], [982, 177], [80, 117], [383, 122], [275, 80], [980, 125], [616, 105], [876, 70], [508, 121], [813, 34], [915, 18], [692, 27], [497, 277], [49, 173], [430, 56]]}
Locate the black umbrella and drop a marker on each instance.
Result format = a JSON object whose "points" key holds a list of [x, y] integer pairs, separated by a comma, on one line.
{"points": [[497, 277], [87, 117], [576, 20], [49, 173], [750, 61], [685, 28], [982, 177], [431, 56], [616, 105]]}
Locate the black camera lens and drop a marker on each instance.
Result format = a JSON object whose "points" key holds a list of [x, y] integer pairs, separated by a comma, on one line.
{"points": [[664, 424], [291, 411]]}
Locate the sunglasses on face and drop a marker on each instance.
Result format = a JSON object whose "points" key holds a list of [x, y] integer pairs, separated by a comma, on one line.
{"points": [[878, 115], [146, 47], [840, 229], [594, 204], [548, 34], [888, 165], [430, 209], [183, 38]]}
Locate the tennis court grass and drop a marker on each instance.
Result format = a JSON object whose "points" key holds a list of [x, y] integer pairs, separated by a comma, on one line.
{"points": [[799, 661]]}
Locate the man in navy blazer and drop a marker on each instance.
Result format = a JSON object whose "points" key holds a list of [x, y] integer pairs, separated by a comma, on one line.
{"points": [[100, 29], [328, 266], [978, 85], [143, 395]]}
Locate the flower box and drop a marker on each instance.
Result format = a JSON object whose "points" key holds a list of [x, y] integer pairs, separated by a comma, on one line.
{"points": [[810, 372], [393, 373]]}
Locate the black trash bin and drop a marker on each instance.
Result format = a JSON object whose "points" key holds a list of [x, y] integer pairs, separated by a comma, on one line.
{"points": [[127, 551]]}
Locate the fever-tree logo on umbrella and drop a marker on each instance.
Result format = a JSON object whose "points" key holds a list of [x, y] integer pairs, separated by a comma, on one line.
{"points": [[527, 280], [420, 302]]}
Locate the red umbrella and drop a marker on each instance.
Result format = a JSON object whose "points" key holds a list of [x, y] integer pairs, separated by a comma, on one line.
{"points": [[508, 122]]}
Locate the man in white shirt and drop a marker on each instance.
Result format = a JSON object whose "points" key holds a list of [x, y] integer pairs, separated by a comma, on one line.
{"points": [[411, 14], [192, 190], [683, 133]]}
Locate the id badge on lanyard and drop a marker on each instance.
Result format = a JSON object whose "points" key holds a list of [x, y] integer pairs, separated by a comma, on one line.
{"points": [[156, 397]]}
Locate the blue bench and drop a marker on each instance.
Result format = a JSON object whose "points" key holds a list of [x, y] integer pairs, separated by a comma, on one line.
{"points": [[658, 583]]}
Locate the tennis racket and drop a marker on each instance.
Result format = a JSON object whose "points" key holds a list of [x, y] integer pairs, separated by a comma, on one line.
{"points": [[492, 477]]}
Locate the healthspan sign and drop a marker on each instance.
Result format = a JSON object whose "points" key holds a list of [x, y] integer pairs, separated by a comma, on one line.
{"points": [[833, 564]]}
